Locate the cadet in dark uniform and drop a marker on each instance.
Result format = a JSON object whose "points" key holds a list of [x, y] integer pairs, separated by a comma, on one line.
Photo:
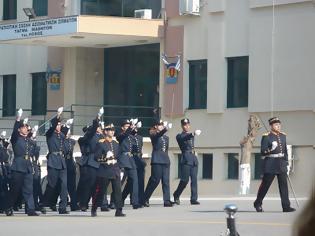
{"points": [[22, 171], [92, 136], [71, 170], [4, 166], [274, 149], [160, 163], [127, 162], [106, 153], [56, 165], [140, 162], [188, 163]]}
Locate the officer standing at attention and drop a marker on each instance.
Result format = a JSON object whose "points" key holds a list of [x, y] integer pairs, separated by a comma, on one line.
{"points": [[56, 165], [188, 163], [106, 153], [274, 149], [22, 171], [127, 162], [160, 163]]}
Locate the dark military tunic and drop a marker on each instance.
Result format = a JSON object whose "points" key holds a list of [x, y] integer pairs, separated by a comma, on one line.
{"points": [[186, 144]]}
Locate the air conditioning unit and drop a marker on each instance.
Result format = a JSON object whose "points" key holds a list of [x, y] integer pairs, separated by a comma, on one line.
{"points": [[143, 13], [189, 7]]}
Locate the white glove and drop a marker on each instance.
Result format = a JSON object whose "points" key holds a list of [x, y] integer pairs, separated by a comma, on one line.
{"points": [[274, 145], [34, 134], [35, 128], [169, 125], [288, 169], [139, 124], [134, 121], [102, 125], [69, 122], [100, 112], [60, 110], [165, 123], [20, 112], [25, 121], [3, 134], [109, 154], [197, 132]]}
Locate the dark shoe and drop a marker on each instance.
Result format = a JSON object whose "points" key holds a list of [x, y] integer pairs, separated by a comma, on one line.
{"points": [[258, 208], [83, 208], [168, 204], [53, 208], [16, 208], [93, 213], [9, 212], [112, 206], [195, 202], [105, 208], [43, 210], [32, 213], [146, 204], [289, 209], [176, 200], [135, 207], [119, 213], [63, 212]]}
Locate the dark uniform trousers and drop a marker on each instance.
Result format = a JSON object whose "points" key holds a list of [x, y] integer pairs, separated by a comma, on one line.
{"points": [[71, 182], [88, 176], [283, 189], [131, 186], [54, 177], [186, 172], [140, 163], [102, 184], [159, 172], [21, 181]]}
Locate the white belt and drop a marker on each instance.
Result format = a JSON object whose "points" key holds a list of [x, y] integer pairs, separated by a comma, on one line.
{"points": [[111, 162], [276, 155]]}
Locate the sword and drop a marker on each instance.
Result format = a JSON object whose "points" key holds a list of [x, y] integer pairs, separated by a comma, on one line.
{"points": [[291, 186]]}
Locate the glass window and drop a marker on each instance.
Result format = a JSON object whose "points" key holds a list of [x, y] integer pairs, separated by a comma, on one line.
{"points": [[237, 87], [198, 84], [233, 165], [9, 95], [123, 8], [39, 93], [9, 9], [207, 166], [40, 7], [134, 85]]}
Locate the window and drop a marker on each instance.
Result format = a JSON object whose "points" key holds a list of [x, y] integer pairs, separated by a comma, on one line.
{"points": [[258, 166], [207, 166], [9, 95], [40, 7], [233, 165], [179, 169], [237, 87], [124, 8], [198, 84], [9, 9], [39, 93]]}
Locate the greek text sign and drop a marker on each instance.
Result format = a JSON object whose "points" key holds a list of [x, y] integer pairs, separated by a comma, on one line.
{"points": [[39, 28]]}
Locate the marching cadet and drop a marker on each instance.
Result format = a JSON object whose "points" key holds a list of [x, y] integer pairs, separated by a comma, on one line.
{"points": [[22, 171], [107, 153], [188, 163], [92, 136], [4, 164], [160, 163], [56, 165], [274, 149], [140, 162], [127, 162], [71, 168]]}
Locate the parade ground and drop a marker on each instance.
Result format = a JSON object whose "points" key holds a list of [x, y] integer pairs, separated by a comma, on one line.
{"points": [[205, 219]]}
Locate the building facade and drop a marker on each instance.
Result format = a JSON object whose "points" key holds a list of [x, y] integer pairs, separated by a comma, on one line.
{"points": [[237, 58]]}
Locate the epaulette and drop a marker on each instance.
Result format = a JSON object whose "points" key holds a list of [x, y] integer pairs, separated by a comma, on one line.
{"points": [[102, 140], [266, 134]]}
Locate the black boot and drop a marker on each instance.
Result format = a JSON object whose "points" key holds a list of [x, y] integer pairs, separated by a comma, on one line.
{"points": [[258, 207], [105, 208], [9, 212], [176, 200], [32, 213], [146, 203], [168, 204], [93, 212], [119, 213], [194, 202], [63, 211], [288, 209]]}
